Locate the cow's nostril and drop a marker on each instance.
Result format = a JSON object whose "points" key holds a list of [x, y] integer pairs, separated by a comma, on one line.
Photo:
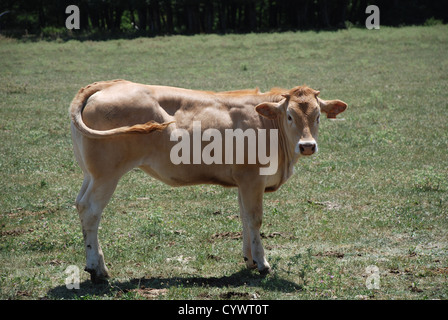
{"points": [[307, 148]]}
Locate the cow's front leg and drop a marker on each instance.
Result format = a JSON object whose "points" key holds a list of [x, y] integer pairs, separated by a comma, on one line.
{"points": [[251, 208], [247, 253]]}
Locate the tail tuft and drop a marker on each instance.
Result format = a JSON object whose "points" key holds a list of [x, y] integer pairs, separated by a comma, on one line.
{"points": [[147, 127]]}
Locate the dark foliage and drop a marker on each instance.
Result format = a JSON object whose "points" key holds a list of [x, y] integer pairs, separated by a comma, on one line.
{"points": [[157, 17]]}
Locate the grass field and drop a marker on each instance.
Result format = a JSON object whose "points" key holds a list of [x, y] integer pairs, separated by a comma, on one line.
{"points": [[375, 194]]}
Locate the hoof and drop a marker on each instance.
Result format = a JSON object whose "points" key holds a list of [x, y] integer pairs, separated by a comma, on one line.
{"points": [[249, 265], [97, 278], [265, 271]]}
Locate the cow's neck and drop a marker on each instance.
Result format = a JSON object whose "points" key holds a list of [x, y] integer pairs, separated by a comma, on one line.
{"points": [[287, 156]]}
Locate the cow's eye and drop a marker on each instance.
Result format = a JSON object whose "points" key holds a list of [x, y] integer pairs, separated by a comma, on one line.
{"points": [[318, 119], [289, 118]]}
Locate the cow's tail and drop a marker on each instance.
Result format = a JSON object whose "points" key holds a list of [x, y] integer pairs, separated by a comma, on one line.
{"points": [[79, 102]]}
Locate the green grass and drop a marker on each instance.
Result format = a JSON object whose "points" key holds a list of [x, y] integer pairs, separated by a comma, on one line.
{"points": [[375, 194]]}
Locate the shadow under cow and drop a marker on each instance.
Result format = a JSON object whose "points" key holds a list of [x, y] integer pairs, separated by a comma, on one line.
{"points": [[115, 289]]}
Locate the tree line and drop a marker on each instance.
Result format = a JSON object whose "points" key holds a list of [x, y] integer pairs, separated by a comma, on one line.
{"points": [[158, 17]]}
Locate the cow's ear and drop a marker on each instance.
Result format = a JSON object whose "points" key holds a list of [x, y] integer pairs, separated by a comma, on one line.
{"points": [[268, 110], [332, 107]]}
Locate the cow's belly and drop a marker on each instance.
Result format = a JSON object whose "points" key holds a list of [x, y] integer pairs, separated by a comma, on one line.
{"points": [[189, 174]]}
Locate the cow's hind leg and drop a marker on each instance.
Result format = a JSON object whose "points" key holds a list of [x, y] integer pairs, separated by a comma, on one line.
{"points": [[92, 199]]}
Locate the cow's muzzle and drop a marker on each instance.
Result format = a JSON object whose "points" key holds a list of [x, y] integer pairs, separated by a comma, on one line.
{"points": [[307, 148]]}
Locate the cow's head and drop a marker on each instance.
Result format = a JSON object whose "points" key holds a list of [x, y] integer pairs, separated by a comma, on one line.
{"points": [[299, 112]]}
